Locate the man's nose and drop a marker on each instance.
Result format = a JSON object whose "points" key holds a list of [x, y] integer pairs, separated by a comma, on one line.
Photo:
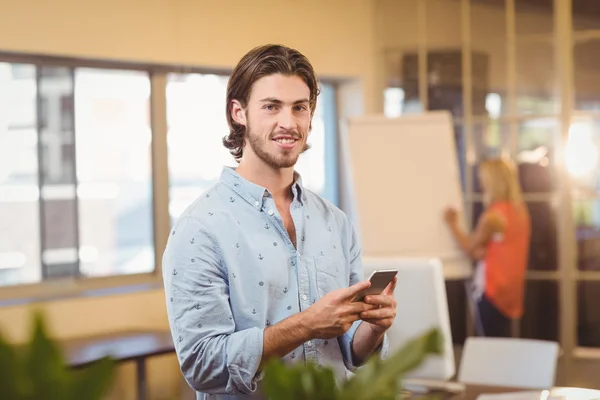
{"points": [[287, 120]]}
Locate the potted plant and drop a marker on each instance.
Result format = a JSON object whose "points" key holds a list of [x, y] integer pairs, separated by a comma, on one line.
{"points": [[376, 380], [37, 371]]}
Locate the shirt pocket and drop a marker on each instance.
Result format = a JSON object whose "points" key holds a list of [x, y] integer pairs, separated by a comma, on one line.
{"points": [[331, 274]]}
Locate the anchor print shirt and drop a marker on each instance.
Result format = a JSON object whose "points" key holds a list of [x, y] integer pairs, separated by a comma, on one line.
{"points": [[230, 270]]}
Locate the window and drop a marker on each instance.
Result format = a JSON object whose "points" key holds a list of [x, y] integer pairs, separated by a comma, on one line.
{"points": [[75, 176], [114, 171], [19, 208], [197, 123]]}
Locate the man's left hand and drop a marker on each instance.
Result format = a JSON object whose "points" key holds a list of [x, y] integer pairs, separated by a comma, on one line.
{"points": [[381, 318]]}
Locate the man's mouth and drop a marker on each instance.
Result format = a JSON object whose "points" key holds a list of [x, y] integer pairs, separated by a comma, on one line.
{"points": [[285, 142]]}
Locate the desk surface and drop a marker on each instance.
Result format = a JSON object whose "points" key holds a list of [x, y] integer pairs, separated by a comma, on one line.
{"points": [[123, 346]]}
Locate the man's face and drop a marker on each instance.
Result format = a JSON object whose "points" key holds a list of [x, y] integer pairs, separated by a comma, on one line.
{"points": [[277, 120]]}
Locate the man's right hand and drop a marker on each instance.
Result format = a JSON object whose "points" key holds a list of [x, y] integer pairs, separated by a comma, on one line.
{"points": [[335, 313]]}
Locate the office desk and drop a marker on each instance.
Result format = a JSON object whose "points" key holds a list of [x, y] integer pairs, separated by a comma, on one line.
{"points": [[134, 346]]}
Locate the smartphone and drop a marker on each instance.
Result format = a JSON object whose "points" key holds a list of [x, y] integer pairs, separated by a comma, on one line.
{"points": [[379, 280]]}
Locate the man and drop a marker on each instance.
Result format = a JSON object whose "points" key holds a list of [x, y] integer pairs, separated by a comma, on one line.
{"points": [[259, 266]]}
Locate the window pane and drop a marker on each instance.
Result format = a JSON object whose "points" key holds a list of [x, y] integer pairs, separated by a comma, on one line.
{"points": [[19, 194], [542, 248], [461, 153], [536, 151], [586, 76], [488, 140], [581, 156], [114, 171], [319, 165], [535, 78], [488, 41], [57, 157], [534, 17], [541, 320], [444, 59], [588, 314], [197, 123], [586, 217], [409, 82], [401, 63], [585, 15]]}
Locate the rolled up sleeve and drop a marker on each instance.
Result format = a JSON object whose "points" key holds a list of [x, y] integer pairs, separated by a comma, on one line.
{"points": [[356, 275], [214, 358]]}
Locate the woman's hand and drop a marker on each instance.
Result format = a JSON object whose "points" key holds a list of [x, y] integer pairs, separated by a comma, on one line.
{"points": [[451, 216]]}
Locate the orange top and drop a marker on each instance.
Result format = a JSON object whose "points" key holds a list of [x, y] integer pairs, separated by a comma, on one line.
{"points": [[506, 260]]}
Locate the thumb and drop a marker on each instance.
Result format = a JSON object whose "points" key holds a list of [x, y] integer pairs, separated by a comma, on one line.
{"points": [[389, 289]]}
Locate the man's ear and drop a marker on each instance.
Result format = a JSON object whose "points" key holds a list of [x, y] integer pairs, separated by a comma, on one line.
{"points": [[238, 113]]}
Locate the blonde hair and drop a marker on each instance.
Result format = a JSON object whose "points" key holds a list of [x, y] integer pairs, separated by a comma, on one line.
{"points": [[500, 181]]}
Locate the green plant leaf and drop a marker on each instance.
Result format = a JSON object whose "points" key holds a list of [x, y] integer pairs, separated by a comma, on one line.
{"points": [[381, 379], [37, 370], [277, 380], [44, 364], [375, 380], [326, 387], [11, 369], [93, 381]]}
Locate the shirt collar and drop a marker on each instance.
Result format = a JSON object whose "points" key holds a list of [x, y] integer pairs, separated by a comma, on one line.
{"points": [[253, 193]]}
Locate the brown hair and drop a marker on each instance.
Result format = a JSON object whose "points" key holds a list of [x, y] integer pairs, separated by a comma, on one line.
{"points": [[258, 63]]}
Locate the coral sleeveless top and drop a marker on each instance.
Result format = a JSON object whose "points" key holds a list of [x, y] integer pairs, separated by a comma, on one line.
{"points": [[506, 260]]}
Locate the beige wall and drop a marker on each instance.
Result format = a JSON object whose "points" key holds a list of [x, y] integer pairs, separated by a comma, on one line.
{"points": [[337, 35]]}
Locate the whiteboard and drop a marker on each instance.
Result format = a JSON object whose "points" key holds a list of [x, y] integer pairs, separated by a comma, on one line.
{"points": [[404, 173]]}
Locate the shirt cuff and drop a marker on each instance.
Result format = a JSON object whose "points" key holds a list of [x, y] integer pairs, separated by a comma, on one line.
{"points": [[345, 342], [244, 355]]}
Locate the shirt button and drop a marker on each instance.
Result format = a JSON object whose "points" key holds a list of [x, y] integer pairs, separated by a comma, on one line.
{"points": [[309, 343], [270, 212], [256, 204], [304, 297]]}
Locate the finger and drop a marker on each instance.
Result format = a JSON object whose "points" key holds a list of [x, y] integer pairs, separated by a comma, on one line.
{"points": [[380, 313], [389, 289], [359, 307], [350, 292], [352, 318], [380, 300]]}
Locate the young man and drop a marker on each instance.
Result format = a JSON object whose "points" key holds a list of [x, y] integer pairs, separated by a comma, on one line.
{"points": [[259, 266]]}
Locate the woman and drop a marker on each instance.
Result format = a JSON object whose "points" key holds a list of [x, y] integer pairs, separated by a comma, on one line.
{"points": [[500, 246]]}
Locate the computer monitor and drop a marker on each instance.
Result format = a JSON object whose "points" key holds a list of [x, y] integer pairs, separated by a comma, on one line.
{"points": [[421, 305]]}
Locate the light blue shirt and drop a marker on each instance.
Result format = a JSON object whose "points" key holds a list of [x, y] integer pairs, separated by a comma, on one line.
{"points": [[230, 270]]}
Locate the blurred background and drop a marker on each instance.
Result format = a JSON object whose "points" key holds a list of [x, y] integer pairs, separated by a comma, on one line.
{"points": [[112, 114]]}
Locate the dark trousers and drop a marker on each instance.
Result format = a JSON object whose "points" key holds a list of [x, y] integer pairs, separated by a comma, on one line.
{"points": [[490, 321]]}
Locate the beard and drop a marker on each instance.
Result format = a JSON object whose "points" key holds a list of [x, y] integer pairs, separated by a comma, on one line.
{"points": [[285, 159]]}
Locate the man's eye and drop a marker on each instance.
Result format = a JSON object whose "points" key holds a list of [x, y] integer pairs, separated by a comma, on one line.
{"points": [[270, 107]]}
